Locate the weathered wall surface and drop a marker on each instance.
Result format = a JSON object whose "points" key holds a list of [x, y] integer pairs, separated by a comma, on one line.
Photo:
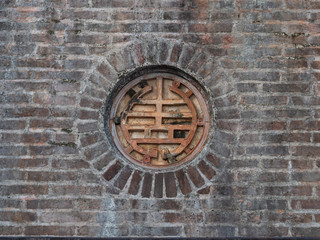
{"points": [[259, 174]]}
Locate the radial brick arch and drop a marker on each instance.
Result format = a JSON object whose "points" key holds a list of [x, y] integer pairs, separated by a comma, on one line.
{"points": [[125, 178]]}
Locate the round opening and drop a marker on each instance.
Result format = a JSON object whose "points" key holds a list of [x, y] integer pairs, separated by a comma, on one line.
{"points": [[159, 119]]}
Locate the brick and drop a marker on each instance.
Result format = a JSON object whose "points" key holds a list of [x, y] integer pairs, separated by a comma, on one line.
{"points": [[213, 160], [170, 185], [211, 231], [306, 151], [292, 113], [123, 177], [302, 164], [185, 56], [65, 137], [88, 115], [305, 125], [26, 112], [13, 124], [270, 150], [104, 160], [299, 88], [303, 232], [90, 103], [49, 204], [49, 230], [264, 231], [276, 125], [272, 177], [13, 151], [76, 190], [306, 176], [50, 176], [305, 204], [147, 185], [288, 191], [11, 230], [280, 138], [195, 176], [63, 124], [54, 150], [90, 138], [155, 231], [95, 151], [158, 185], [18, 217], [175, 53], [135, 183], [87, 126], [275, 163], [25, 138], [183, 182], [222, 217], [24, 189], [206, 170], [76, 217], [170, 204], [265, 101], [113, 170]]}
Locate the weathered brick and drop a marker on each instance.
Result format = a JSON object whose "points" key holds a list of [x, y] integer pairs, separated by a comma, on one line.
{"points": [[113, 170], [158, 185], [206, 170], [135, 183], [19, 217], [147, 185], [305, 204], [170, 185], [49, 230], [195, 176], [306, 151], [123, 177], [49, 204]]}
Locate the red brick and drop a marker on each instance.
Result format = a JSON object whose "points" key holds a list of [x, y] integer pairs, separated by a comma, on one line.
{"points": [[49, 231], [123, 178], [170, 183], [195, 176], [12, 124], [306, 151], [11, 230], [206, 170], [305, 204], [113, 170], [88, 103], [302, 164], [77, 190], [135, 183], [49, 204], [26, 112], [20, 217], [183, 182], [158, 185], [24, 189], [204, 190], [147, 184]]}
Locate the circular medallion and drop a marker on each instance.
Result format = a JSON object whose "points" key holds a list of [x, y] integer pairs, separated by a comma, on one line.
{"points": [[159, 120]]}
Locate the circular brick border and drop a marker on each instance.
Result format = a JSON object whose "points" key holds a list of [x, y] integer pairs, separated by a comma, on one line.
{"points": [[122, 177], [158, 69]]}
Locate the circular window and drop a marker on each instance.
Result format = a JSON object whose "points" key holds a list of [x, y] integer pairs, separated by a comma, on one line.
{"points": [[159, 119]]}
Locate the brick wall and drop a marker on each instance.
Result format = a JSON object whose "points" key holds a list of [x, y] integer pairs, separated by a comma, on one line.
{"points": [[259, 173]]}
